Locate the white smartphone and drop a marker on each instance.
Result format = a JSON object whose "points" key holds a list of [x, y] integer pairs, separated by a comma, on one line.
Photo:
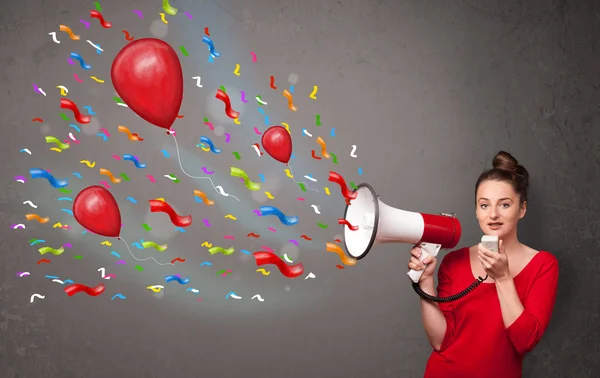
{"points": [[490, 242]]}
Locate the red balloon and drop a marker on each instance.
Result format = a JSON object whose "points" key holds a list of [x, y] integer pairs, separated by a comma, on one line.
{"points": [[277, 141], [147, 75], [96, 210]]}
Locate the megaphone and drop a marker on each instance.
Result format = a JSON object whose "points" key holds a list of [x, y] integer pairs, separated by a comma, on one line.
{"points": [[373, 222]]}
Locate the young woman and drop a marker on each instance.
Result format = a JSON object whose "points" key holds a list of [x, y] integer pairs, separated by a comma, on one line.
{"points": [[488, 332]]}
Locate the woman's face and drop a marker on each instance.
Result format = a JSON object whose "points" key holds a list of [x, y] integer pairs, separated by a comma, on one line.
{"points": [[498, 210]]}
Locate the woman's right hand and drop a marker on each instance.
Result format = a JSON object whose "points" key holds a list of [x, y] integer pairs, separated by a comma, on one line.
{"points": [[416, 264]]}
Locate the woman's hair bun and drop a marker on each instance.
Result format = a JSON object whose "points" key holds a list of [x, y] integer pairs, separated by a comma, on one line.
{"points": [[506, 162]]}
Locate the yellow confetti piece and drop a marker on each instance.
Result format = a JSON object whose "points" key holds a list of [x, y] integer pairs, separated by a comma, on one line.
{"points": [[155, 288], [160, 199], [162, 17], [237, 121], [107, 243], [63, 90], [87, 162], [56, 149], [57, 225], [206, 244], [236, 72], [230, 217], [96, 79], [327, 191], [288, 173], [287, 127], [269, 195]]}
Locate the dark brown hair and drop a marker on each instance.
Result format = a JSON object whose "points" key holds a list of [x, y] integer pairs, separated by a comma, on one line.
{"points": [[506, 168]]}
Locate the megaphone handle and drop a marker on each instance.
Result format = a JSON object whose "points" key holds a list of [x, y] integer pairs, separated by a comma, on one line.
{"points": [[416, 274], [427, 249]]}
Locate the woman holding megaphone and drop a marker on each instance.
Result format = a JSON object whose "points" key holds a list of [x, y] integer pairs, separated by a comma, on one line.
{"points": [[488, 332]]}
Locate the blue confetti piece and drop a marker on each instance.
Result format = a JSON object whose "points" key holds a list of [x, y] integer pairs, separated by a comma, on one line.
{"points": [[77, 174], [131, 199], [262, 177], [246, 252], [181, 281], [68, 281], [179, 229], [135, 161], [332, 132], [210, 59], [89, 109], [292, 157], [165, 153], [211, 47], [103, 137], [261, 111], [84, 232], [65, 199], [82, 63], [291, 89], [66, 211], [230, 293], [206, 263], [360, 170], [267, 120], [115, 254], [75, 127], [41, 173], [53, 277], [198, 199], [137, 245], [118, 296], [98, 51]]}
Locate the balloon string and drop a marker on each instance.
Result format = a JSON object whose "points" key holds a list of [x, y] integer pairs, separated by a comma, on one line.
{"points": [[292, 174], [221, 192], [149, 258]]}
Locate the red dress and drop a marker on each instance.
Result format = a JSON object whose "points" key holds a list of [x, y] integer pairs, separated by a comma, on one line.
{"points": [[476, 343]]}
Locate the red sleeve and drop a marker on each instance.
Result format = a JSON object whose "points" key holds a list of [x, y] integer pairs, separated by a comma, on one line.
{"points": [[527, 330], [444, 289]]}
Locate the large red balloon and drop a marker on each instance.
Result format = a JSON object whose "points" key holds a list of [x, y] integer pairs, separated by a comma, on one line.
{"points": [[278, 143], [96, 209], [147, 75]]}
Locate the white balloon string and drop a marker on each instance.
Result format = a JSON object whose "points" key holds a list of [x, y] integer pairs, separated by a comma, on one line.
{"points": [[148, 258], [216, 188], [292, 174]]}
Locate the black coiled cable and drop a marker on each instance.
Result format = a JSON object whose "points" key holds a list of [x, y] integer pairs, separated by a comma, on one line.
{"points": [[451, 298]]}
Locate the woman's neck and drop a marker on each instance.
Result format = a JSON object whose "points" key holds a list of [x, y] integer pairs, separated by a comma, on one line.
{"points": [[511, 244]]}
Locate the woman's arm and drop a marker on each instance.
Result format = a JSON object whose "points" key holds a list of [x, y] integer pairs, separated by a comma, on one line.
{"points": [[526, 327], [438, 319], [434, 320]]}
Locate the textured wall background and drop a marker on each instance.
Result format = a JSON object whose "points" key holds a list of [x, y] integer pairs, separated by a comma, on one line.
{"points": [[429, 91]]}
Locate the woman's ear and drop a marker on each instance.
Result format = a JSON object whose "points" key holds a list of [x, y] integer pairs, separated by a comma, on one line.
{"points": [[523, 210]]}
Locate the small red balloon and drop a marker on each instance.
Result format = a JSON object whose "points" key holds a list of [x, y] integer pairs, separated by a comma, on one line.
{"points": [[148, 77], [96, 210], [277, 141]]}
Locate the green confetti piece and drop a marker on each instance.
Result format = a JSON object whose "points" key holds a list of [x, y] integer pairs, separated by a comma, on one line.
{"points": [[63, 116], [98, 7], [318, 120], [124, 176], [139, 268], [251, 185], [322, 225], [237, 155], [184, 51], [205, 119], [226, 252], [78, 257], [55, 252], [66, 191], [146, 227], [159, 248], [352, 185], [117, 99], [301, 184], [223, 89], [335, 161]]}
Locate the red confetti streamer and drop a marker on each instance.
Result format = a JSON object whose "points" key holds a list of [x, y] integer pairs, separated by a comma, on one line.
{"points": [[176, 219], [98, 15], [91, 291], [350, 226], [290, 271], [65, 103], [225, 98], [338, 179]]}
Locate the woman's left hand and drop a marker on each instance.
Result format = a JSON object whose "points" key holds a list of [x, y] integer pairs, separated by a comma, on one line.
{"points": [[494, 264]]}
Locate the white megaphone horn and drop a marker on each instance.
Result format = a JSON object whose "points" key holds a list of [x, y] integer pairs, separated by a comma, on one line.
{"points": [[379, 223]]}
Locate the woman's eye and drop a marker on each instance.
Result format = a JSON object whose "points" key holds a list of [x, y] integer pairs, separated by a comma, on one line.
{"points": [[505, 205], [483, 205]]}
